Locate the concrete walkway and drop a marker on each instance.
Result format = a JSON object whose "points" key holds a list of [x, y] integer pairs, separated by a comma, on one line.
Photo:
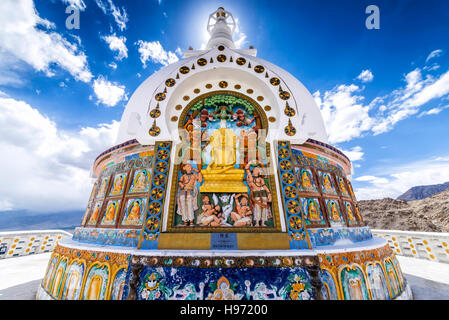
{"points": [[20, 277]]}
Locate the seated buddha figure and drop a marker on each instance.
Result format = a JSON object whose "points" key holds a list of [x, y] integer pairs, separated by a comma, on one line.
{"points": [[118, 185], [110, 213], [342, 187], [334, 212], [327, 183], [221, 175], [306, 180], [134, 213], [313, 212]]}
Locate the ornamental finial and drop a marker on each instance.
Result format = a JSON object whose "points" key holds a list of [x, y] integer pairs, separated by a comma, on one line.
{"points": [[221, 25]]}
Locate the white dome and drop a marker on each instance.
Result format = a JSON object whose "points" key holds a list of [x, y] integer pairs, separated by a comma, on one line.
{"points": [[136, 120]]}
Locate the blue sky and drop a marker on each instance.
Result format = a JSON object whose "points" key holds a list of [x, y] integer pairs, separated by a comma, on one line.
{"points": [[383, 93]]}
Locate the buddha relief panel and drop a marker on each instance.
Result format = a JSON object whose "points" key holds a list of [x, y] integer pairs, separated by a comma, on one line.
{"points": [[223, 176]]}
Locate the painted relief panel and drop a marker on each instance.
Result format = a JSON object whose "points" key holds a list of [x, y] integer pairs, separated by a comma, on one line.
{"points": [[334, 212], [111, 211], [329, 289], [165, 283], [312, 211], [223, 180], [327, 184], [48, 276], [96, 283], [95, 213], [392, 278], [353, 284], [305, 179], [350, 213], [119, 184], [134, 211], [103, 187], [118, 285], [378, 283], [57, 279], [141, 181], [73, 281], [342, 186]]}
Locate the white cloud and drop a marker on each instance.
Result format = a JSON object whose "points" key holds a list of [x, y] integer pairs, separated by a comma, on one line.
{"points": [[113, 65], [433, 111], [346, 116], [79, 4], [117, 44], [434, 54], [155, 52], [394, 181], [25, 36], [365, 76], [46, 169], [343, 112], [240, 39], [120, 16], [355, 154], [109, 93]]}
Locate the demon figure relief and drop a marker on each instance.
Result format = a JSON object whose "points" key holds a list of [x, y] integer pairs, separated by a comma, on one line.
{"points": [[223, 178]]}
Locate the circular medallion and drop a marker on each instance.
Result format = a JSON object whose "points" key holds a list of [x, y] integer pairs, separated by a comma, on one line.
{"points": [[155, 113], [272, 119], [174, 118], [237, 86], [162, 154], [295, 223], [178, 107], [259, 69], [201, 62], [289, 112], [240, 61], [290, 130], [161, 167], [208, 86], [284, 95], [288, 178], [154, 208], [260, 98], [267, 108], [223, 84], [170, 82], [196, 91], [160, 96], [152, 224], [159, 180], [186, 98], [221, 58], [250, 91], [283, 153], [221, 48], [154, 131], [293, 207], [275, 81], [184, 70], [157, 193], [285, 165], [290, 192]]}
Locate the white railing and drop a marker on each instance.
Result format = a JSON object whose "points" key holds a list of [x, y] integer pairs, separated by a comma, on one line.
{"points": [[22, 243], [432, 246]]}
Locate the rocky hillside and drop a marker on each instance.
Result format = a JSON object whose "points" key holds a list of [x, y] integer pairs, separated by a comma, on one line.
{"points": [[430, 214], [422, 192]]}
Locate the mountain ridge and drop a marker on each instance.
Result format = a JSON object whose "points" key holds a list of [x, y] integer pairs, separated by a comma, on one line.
{"points": [[422, 192]]}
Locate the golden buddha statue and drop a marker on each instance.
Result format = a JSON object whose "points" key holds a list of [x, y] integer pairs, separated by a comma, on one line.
{"points": [[221, 175], [313, 212], [334, 213], [110, 214], [134, 213], [306, 180]]}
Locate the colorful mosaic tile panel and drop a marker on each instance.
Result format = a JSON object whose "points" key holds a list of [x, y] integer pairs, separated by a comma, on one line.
{"points": [[149, 237], [113, 237], [329, 236], [317, 162], [292, 204]]}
